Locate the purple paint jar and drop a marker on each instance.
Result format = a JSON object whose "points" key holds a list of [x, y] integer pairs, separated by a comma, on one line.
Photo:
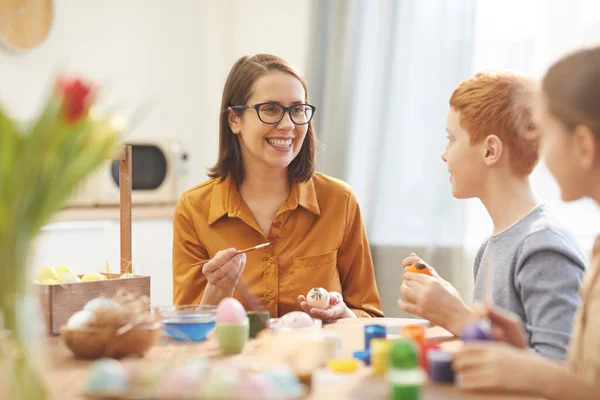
{"points": [[440, 366]]}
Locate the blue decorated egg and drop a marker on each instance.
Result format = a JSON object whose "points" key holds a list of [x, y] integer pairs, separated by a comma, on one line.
{"points": [[106, 376]]}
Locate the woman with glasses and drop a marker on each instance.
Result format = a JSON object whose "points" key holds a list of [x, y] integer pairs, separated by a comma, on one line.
{"points": [[264, 189]]}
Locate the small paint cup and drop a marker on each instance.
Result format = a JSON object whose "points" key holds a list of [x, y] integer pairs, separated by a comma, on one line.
{"points": [[380, 354], [232, 337], [414, 332], [259, 320], [440, 366]]}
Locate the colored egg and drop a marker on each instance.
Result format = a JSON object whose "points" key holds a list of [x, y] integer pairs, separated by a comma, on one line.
{"points": [[106, 376], [45, 272], [68, 277], [318, 298], [178, 383], [231, 311], [257, 386], [296, 319], [199, 365], [284, 378], [221, 382], [101, 303], [144, 376], [419, 268], [80, 319], [62, 269]]}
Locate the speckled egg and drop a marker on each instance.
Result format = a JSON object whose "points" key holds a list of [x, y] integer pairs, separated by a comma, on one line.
{"points": [[231, 311], [106, 376], [100, 303], [81, 319], [296, 319], [318, 297]]}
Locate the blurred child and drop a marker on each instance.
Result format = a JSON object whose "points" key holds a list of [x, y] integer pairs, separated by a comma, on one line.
{"points": [[535, 266]]}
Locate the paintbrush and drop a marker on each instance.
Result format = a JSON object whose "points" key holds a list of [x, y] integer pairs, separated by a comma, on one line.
{"points": [[260, 246]]}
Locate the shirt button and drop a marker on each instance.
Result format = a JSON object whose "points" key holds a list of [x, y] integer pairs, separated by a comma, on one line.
{"points": [[271, 296], [271, 260]]}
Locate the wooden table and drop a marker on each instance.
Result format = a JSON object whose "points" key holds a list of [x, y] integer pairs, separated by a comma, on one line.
{"points": [[65, 375]]}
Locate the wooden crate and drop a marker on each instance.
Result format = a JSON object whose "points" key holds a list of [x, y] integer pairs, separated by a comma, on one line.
{"points": [[59, 302]]}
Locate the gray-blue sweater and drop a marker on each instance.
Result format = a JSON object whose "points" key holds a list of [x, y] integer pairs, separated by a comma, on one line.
{"points": [[536, 272]]}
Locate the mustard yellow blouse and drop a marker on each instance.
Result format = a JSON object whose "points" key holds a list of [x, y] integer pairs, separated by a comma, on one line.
{"points": [[320, 240]]}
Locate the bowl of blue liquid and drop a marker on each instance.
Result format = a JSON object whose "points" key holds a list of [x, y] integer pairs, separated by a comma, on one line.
{"points": [[188, 322]]}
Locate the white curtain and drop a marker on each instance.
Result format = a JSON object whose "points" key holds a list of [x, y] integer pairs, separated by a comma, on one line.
{"points": [[384, 73]]}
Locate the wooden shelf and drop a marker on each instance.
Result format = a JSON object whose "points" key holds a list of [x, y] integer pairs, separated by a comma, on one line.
{"points": [[113, 213]]}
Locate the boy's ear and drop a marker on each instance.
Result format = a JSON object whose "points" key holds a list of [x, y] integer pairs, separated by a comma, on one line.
{"points": [[587, 147], [493, 148], [234, 121]]}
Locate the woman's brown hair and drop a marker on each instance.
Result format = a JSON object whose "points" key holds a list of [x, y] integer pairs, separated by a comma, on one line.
{"points": [[238, 88], [571, 89]]}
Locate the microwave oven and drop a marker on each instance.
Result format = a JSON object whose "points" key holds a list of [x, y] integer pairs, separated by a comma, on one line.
{"points": [[159, 171]]}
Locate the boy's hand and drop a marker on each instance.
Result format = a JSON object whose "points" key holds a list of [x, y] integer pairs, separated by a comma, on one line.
{"points": [[433, 298], [413, 259], [492, 366]]}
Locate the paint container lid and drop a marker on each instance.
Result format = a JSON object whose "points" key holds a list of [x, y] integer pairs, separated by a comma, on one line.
{"points": [[363, 355], [404, 355], [344, 365]]}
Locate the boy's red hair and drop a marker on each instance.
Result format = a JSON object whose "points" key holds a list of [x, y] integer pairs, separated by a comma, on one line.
{"points": [[500, 103]]}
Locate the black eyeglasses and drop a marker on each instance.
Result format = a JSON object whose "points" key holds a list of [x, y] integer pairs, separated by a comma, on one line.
{"points": [[272, 113]]}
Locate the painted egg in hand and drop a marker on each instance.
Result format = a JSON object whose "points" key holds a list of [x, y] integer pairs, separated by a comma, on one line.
{"points": [[318, 298]]}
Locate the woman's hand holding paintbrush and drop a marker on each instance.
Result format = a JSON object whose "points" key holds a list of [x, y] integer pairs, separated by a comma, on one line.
{"points": [[224, 272]]}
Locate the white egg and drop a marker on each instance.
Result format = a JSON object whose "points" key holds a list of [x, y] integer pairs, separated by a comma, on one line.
{"points": [[318, 298], [68, 277], [80, 319], [100, 303]]}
